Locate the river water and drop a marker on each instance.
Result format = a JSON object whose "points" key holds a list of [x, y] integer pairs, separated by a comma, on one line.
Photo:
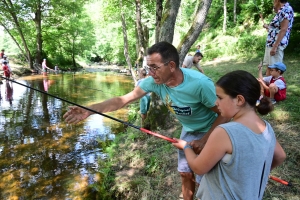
{"points": [[41, 157]]}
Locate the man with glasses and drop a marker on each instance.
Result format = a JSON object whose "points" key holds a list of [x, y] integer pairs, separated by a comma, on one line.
{"points": [[188, 94]]}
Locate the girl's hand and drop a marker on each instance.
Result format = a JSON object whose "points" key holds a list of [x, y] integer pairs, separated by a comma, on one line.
{"points": [[179, 144]]}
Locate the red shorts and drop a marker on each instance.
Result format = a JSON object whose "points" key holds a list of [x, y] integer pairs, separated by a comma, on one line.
{"points": [[7, 74], [279, 96]]}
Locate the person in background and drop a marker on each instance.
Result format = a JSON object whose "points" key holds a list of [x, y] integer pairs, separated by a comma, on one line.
{"points": [[2, 53], [145, 100], [190, 61], [198, 49], [44, 67], [56, 69], [188, 94], [239, 155], [6, 70], [279, 31], [273, 86], [5, 59]]}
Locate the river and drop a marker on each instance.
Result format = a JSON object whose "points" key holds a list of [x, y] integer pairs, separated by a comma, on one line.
{"points": [[42, 157]]}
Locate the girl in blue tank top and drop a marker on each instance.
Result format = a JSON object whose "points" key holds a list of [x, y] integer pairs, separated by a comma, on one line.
{"points": [[238, 156]]}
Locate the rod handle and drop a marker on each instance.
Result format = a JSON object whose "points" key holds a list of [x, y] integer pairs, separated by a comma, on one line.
{"points": [[280, 181], [158, 135]]}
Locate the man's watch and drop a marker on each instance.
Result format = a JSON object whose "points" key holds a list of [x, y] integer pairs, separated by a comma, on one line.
{"points": [[187, 146]]}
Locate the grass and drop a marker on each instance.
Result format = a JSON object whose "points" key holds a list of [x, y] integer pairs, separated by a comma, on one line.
{"points": [[145, 167]]}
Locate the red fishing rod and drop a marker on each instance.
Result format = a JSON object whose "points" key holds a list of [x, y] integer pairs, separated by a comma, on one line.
{"points": [[280, 181], [118, 120]]}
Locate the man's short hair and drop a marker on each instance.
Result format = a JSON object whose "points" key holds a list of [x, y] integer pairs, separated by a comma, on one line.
{"points": [[167, 52], [198, 54]]}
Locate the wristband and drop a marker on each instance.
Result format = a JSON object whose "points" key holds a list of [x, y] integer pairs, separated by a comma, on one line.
{"points": [[187, 146]]}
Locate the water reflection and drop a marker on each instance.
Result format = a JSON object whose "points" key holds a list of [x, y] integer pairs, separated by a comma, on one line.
{"points": [[41, 157]]}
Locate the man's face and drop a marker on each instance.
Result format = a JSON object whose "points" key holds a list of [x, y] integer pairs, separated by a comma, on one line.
{"points": [[157, 69], [277, 5], [197, 59]]}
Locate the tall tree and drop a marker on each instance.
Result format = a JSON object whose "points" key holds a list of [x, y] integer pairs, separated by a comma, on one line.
{"points": [[126, 54], [193, 33], [158, 113], [167, 26], [159, 10], [18, 18], [225, 16], [140, 31], [9, 20], [234, 11]]}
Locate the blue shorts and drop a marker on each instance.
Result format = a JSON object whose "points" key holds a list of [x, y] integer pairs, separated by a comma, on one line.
{"points": [[144, 104], [182, 162]]}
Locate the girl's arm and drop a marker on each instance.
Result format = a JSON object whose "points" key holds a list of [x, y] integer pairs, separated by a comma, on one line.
{"points": [[217, 145], [279, 156]]}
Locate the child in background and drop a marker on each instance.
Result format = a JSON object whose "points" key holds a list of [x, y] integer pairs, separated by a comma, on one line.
{"points": [[238, 156], [6, 70], [145, 100], [273, 86]]}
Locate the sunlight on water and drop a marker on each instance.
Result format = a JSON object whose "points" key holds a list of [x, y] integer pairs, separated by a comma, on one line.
{"points": [[41, 157]]}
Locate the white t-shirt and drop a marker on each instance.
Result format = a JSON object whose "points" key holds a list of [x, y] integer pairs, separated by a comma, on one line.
{"points": [[278, 82], [188, 62]]}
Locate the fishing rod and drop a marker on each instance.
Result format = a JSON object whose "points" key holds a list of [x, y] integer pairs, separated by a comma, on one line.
{"points": [[123, 122], [86, 108]]}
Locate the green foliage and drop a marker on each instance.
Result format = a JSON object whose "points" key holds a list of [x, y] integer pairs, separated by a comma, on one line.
{"points": [[133, 112]]}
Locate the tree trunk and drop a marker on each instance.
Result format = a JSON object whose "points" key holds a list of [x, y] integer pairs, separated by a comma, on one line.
{"points": [[14, 39], [234, 11], [168, 20], [195, 29], [11, 9], [139, 30], [126, 54], [37, 20], [159, 9], [158, 114], [225, 16]]}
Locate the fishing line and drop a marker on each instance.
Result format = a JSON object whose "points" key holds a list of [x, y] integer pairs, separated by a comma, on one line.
{"points": [[86, 108]]}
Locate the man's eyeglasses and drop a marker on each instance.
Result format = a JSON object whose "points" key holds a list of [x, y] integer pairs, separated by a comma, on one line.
{"points": [[153, 69]]}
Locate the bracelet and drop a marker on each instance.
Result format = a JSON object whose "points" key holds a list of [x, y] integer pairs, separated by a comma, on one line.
{"points": [[187, 146]]}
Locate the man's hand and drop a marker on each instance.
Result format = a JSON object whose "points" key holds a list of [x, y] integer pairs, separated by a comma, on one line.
{"points": [[198, 145], [76, 114], [273, 50]]}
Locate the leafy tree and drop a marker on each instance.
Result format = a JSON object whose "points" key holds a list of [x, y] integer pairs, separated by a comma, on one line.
{"points": [[18, 18]]}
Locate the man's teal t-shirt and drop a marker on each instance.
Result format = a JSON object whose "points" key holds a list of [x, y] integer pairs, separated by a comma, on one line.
{"points": [[190, 101]]}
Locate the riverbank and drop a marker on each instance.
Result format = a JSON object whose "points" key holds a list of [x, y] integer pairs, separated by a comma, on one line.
{"points": [[21, 69], [144, 167]]}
